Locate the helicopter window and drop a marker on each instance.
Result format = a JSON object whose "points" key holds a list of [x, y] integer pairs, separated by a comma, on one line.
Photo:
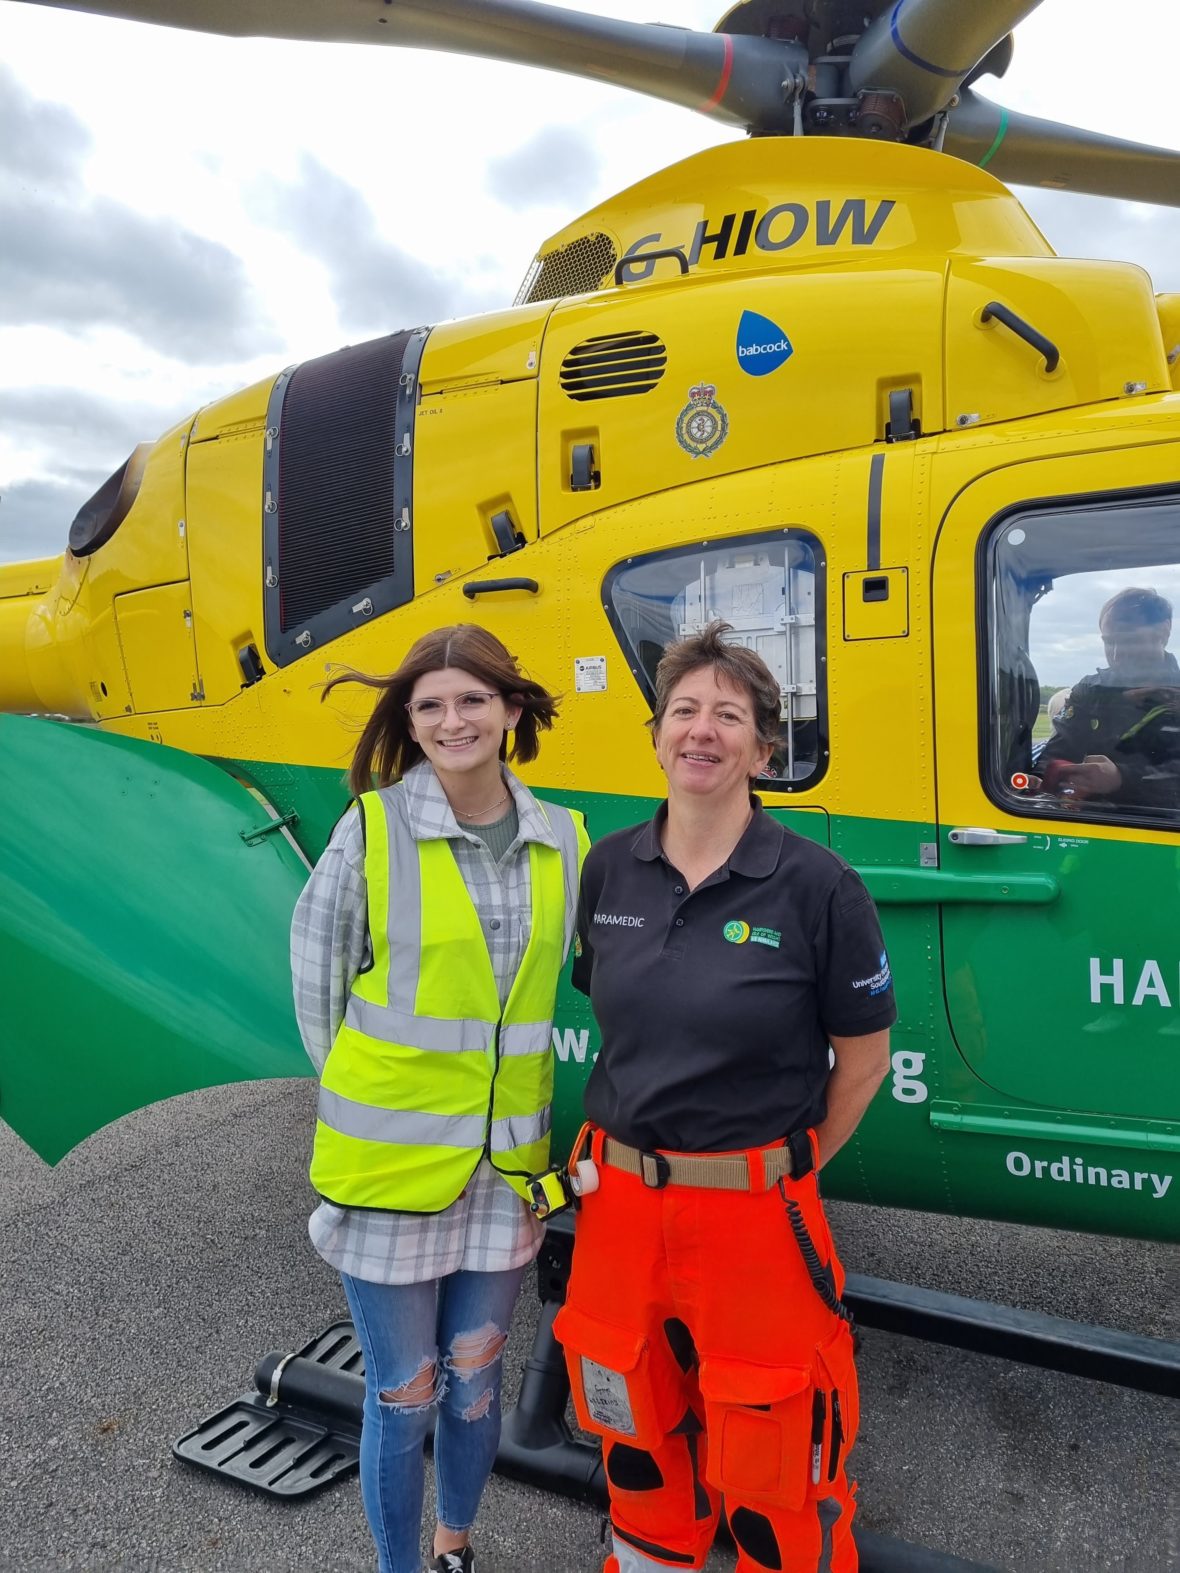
{"points": [[767, 588], [1083, 684]]}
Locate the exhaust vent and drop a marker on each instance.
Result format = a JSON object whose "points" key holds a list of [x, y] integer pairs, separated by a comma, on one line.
{"points": [[613, 365], [577, 269], [99, 517]]}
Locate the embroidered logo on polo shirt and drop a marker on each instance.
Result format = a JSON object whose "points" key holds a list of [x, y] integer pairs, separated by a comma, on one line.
{"points": [[623, 920], [738, 932], [880, 980]]}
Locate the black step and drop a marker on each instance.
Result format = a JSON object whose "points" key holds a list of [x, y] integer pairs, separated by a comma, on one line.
{"points": [[288, 1438]]}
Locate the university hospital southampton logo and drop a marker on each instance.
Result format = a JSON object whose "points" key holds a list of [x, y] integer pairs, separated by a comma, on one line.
{"points": [[762, 346]]}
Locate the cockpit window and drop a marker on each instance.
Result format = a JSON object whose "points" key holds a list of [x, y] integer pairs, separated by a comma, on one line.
{"points": [[1083, 702], [770, 589]]}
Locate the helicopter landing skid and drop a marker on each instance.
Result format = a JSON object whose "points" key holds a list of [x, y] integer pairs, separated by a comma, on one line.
{"points": [[301, 1429], [1053, 1343]]}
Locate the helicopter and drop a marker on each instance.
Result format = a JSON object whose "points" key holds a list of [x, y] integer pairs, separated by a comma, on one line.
{"points": [[830, 384]]}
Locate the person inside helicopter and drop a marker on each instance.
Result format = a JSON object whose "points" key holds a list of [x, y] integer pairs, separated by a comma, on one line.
{"points": [[1117, 740]]}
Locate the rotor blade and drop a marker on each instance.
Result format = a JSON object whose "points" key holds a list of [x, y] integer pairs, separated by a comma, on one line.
{"points": [[1033, 152], [734, 79], [922, 50]]}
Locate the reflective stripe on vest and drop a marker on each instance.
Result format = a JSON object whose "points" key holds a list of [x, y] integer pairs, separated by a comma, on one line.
{"points": [[426, 1071], [368, 1123]]}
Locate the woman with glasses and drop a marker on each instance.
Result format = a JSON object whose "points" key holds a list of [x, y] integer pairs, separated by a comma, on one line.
{"points": [[426, 950]]}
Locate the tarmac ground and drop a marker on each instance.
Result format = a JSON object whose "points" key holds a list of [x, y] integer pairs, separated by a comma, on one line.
{"points": [[147, 1273]]}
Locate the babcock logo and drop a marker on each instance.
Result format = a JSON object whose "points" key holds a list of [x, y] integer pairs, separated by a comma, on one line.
{"points": [[762, 346]]}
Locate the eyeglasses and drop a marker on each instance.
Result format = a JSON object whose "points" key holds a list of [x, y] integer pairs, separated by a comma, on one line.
{"points": [[468, 707]]}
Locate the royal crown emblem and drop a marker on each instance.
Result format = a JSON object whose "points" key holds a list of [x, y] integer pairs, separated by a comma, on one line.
{"points": [[702, 425]]}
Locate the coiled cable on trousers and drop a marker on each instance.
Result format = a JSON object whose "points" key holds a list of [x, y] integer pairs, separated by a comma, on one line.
{"points": [[821, 1277]]}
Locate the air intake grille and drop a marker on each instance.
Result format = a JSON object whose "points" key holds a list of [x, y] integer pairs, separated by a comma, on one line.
{"points": [[336, 494], [577, 269], [613, 365]]}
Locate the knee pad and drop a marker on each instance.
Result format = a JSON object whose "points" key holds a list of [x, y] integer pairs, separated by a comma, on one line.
{"points": [[754, 1534], [631, 1469]]}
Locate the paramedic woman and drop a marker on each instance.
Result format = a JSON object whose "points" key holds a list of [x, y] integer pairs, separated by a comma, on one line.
{"points": [[704, 1333]]}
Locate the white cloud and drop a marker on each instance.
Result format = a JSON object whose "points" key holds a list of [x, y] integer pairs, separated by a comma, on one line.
{"points": [[550, 167], [77, 260], [369, 277]]}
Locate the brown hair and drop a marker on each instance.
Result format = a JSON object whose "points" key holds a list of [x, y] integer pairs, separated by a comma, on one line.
{"points": [[739, 666], [1135, 608], [387, 750]]}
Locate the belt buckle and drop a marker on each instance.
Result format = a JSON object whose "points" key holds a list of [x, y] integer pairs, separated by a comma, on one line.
{"points": [[654, 1170]]}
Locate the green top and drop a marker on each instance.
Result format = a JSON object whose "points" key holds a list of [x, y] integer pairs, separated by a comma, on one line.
{"points": [[499, 835]]}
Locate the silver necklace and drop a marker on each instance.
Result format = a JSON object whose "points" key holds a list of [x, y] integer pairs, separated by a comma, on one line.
{"points": [[477, 813]]}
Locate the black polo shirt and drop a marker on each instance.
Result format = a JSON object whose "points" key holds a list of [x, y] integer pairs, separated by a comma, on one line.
{"points": [[716, 1005]]}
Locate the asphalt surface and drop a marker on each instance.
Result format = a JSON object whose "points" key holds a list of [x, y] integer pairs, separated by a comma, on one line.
{"points": [[145, 1275]]}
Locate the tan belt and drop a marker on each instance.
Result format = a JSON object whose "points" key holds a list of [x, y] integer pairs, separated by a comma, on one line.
{"points": [[710, 1170]]}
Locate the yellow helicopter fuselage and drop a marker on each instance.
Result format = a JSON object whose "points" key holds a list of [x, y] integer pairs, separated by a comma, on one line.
{"points": [[769, 384]]}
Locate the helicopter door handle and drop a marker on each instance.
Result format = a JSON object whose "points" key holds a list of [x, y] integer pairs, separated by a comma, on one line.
{"points": [[632, 260], [973, 836], [1023, 330], [488, 586]]}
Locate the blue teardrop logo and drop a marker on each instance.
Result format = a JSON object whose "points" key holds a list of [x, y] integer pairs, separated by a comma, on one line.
{"points": [[762, 346]]}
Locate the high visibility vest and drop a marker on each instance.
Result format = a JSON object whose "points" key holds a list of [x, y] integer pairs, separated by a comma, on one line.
{"points": [[427, 1073]]}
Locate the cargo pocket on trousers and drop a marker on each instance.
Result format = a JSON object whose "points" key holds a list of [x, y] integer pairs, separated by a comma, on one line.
{"points": [[759, 1423], [836, 1378], [621, 1386]]}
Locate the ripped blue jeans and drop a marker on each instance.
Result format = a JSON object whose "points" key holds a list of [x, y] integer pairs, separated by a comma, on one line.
{"points": [[432, 1358]]}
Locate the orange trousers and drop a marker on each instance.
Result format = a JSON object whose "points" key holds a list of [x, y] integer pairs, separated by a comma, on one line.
{"points": [[701, 1351]]}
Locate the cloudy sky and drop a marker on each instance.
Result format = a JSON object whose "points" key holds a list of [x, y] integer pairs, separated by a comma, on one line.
{"points": [[181, 215]]}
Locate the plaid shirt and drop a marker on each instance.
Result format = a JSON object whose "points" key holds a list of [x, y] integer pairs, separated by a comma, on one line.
{"points": [[489, 1228]]}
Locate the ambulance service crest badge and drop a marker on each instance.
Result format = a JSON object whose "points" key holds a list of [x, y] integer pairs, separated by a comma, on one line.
{"points": [[702, 425]]}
